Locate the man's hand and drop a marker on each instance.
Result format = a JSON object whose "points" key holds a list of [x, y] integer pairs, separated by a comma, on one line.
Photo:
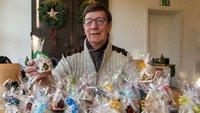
{"points": [[31, 70]]}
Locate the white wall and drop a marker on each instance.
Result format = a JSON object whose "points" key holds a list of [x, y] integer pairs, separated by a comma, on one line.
{"points": [[191, 35], [130, 27], [15, 28], [129, 20]]}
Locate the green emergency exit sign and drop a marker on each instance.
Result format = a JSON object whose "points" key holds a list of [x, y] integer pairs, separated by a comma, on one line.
{"points": [[165, 2]]}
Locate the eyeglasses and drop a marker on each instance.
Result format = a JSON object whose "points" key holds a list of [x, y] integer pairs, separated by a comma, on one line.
{"points": [[99, 21]]}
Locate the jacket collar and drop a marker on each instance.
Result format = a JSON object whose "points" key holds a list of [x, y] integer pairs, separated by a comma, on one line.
{"points": [[106, 56]]}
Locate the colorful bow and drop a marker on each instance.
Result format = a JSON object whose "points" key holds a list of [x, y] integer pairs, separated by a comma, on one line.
{"points": [[39, 52], [183, 100], [166, 88], [75, 105], [196, 109]]}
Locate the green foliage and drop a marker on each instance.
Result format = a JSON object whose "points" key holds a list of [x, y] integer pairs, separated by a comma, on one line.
{"points": [[58, 6], [79, 15]]}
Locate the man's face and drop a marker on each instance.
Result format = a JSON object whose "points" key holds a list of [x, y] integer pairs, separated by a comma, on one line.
{"points": [[96, 28]]}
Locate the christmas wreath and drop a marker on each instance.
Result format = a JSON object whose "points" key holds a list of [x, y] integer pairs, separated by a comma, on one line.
{"points": [[52, 13], [79, 15]]}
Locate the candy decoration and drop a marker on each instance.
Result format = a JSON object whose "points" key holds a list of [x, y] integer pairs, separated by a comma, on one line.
{"points": [[73, 104], [39, 107], [12, 100], [29, 106], [45, 66], [115, 104], [75, 108], [100, 92], [70, 101], [129, 109], [61, 104]]}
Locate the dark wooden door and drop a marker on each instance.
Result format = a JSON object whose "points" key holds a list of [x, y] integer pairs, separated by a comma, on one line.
{"points": [[68, 37]]}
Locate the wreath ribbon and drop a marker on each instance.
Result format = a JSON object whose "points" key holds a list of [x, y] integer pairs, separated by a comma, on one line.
{"points": [[53, 37]]}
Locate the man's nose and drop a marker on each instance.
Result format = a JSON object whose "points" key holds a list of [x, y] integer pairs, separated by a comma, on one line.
{"points": [[94, 24]]}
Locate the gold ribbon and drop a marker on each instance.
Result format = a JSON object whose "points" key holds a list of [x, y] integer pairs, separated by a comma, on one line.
{"points": [[142, 66], [109, 87], [147, 103], [144, 77], [115, 104], [142, 104]]}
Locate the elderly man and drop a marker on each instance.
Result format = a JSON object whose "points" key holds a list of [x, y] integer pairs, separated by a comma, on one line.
{"points": [[98, 57]]}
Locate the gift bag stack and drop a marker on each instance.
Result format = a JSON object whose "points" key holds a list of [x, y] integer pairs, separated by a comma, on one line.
{"points": [[190, 100], [118, 93], [157, 95]]}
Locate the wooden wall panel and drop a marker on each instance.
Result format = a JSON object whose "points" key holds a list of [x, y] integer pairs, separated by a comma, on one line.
{"points": [[68, 37]]}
